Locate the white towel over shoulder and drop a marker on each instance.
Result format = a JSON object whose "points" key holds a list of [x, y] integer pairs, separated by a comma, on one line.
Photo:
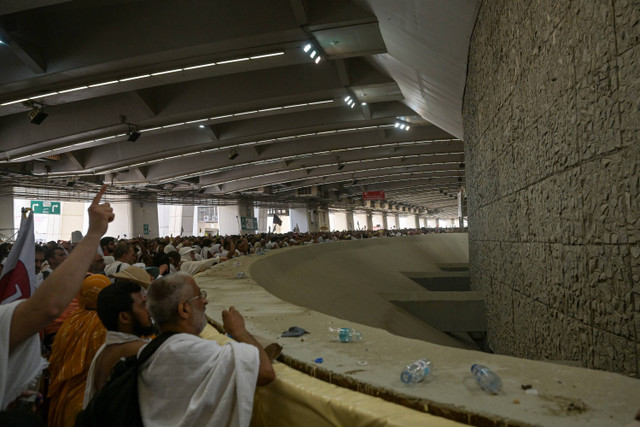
{"points": [[190, 381]]}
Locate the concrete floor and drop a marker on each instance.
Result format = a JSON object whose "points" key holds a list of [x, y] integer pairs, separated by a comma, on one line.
{"points": [[337, 284]]}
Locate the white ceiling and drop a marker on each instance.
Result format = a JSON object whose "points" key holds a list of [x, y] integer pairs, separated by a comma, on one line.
{"points": [[297, 140]]}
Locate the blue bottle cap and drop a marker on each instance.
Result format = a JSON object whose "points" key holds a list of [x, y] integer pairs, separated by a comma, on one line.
{"points": [[318, 360]]}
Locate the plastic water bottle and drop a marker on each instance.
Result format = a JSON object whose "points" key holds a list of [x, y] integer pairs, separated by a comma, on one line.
{"points": [[487, 379], [416, 372], [345, 334]]}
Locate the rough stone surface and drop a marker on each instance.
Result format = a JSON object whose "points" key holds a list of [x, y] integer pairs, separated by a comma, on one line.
{"points": [[552, 129]]}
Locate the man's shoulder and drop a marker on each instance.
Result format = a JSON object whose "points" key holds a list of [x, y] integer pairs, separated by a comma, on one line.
{"points": [[114, 352], [176, 344]]}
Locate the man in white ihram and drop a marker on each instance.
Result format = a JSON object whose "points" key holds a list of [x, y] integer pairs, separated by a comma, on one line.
{"points": [[20, 321], [190, 381]]}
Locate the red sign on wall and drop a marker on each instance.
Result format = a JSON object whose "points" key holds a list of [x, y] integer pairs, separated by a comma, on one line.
{"points": [[373, 195]]}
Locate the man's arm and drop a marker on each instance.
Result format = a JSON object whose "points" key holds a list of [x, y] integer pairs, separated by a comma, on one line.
{"points": [[57, 291], [233, 323]]}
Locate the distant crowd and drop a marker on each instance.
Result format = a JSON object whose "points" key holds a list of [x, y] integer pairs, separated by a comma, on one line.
{"points": [[168, 254]]}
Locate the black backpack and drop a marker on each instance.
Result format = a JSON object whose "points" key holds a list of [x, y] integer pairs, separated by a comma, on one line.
{"points": [[117, 403]]}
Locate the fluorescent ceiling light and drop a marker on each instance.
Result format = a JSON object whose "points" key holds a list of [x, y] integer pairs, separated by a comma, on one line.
{"points": [[313, 54], [73, 90], [321, 102], [307, 47], [228, 61], [317, 59], [104, 83], [43, 95], [143, 76], [15, 102], [267, 55], [105, 138], [211, 64], [166, 72]]}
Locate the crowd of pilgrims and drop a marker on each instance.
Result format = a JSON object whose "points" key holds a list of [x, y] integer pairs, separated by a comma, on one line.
{"points": [[61, 391]]}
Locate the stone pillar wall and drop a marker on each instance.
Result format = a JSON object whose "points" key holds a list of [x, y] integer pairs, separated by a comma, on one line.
{"points": [[144, 217], [552, 124]]}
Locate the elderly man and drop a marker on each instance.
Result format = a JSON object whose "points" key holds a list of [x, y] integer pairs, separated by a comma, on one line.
{"points": [[190, 381], [122, 310]]}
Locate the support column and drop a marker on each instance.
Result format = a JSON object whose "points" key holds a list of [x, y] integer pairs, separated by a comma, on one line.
{"points": [[7, 228], [416, 219], [144, 219], [397, 221], [229, 220], [350, 221], [247, 211], [323, 219], [186, 226], [385, 221], [312, 218], [262, 220], [460, 222], [299, 218], [369, 221]]}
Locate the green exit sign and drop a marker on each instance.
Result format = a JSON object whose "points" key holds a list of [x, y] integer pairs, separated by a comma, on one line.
{"points": [[44, 207]]}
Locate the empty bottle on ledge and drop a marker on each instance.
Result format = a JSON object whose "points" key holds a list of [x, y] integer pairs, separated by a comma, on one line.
{"points": [[416, 372], [488, 380], [345, 334]]}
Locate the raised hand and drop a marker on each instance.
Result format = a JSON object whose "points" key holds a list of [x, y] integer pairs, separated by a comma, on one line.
{"points": [[100, 215]]}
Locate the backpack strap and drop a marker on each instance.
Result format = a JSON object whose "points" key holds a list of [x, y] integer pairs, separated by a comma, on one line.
{"points": [[150, 348]]}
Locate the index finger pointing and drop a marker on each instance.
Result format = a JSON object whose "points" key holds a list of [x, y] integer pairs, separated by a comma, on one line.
{"points": [[96, 200]]}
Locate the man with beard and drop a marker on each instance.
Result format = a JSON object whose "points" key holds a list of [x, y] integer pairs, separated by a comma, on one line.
{"points": [[192, 381], [123, 312]]}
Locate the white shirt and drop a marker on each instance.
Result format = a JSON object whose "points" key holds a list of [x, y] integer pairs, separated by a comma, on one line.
{"points": [[190, 381], [112, 268], [20, 368], [113, 337]]}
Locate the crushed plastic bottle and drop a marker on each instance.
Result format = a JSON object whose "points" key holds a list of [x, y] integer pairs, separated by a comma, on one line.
{"points": [[416, 372], [488, 380], [345, 334]]}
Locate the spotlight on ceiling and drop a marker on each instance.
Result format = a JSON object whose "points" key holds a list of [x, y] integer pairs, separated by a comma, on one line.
{"points": [[312, 52], [37, 114], [233, 153], [402, 125], [133, 134]]}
